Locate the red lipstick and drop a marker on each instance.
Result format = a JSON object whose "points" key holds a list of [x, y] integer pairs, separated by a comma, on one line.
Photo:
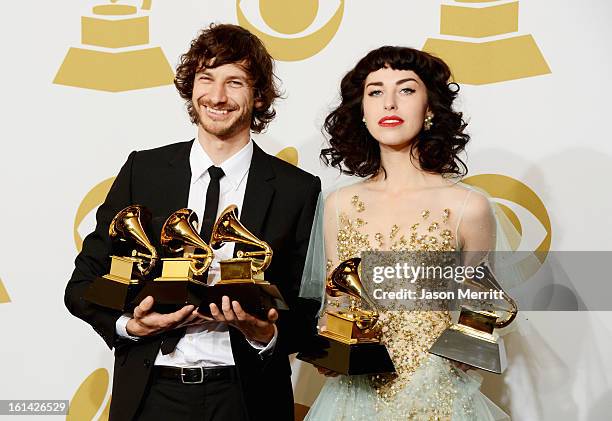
{"points": [[390, 121]]}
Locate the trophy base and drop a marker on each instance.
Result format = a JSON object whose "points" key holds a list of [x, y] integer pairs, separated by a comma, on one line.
{"points": [[348, 359], [170, 295], [113, 294], [254, 298], [459, 345]]}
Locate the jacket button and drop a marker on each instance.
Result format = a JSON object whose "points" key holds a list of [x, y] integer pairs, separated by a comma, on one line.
{"points": [[147, 363]]}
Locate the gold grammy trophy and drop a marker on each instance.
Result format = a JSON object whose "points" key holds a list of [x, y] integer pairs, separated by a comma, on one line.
{"points": [[242, 277], [351, 342], [472, 339], [118, 288], [183, 278]]}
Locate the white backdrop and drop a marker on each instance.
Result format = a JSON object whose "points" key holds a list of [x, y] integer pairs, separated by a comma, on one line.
{"points": [[548, 133]]}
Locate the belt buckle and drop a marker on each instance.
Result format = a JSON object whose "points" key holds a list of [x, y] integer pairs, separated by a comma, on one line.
{"points": [[201, 380]]}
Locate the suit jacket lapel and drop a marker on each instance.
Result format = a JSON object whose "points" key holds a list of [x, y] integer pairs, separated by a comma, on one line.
{"points": [[258, 193], [178, 179], [174, 181]]}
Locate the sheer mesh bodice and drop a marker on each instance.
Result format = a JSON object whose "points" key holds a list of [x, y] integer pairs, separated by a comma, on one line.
{"points": [[360, 218]]}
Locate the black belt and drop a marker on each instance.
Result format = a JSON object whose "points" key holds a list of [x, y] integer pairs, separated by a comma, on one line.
{"points": [[195, 375]]}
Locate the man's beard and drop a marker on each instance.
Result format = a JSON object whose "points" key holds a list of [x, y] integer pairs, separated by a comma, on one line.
{"points": [[228, 128]]}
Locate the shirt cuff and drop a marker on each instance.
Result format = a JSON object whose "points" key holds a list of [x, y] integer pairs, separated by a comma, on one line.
{"points": [[265, 349], [121, 327]]}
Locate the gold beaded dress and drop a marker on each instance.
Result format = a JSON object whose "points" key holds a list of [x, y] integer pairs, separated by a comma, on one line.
{"points": [[425, 387]]}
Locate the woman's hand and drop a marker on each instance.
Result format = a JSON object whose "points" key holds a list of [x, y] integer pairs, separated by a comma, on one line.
{"points": [[462, 366], [327, 372]]}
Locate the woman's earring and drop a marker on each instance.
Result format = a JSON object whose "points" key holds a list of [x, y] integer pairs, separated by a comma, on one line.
{"points": [[364, 121], [428, 122]]}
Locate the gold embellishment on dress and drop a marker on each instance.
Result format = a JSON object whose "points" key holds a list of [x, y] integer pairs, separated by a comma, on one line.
{"points": [[394, 231], [445, 215], [350, 240], [408, 337], [379, 239], [358, 204], [425, 214], [402, 244], [433, 226]]}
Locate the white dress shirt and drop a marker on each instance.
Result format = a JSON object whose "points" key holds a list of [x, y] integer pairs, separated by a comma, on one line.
{"points": [[208, 345]]}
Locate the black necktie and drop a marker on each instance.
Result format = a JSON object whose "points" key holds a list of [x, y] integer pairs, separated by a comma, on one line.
{"points": [[212, 202], [210, 214]]}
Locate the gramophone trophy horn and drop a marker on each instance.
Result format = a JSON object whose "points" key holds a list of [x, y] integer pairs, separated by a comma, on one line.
{"points": [[183, 276], [127, 226], [179, 232], [242, 277], [472, 340], [350, 344], [117, 289], [345, 280], [229, 229]]}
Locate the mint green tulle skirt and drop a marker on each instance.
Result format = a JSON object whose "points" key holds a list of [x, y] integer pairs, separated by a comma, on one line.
{"points": [[435, 391]]}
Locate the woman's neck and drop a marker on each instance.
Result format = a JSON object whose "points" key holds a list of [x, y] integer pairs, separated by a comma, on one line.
{"points": [[402, 171]]}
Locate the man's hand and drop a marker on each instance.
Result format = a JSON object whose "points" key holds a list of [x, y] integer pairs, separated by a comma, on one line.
{"points": [[147, 322], [251, 327]]}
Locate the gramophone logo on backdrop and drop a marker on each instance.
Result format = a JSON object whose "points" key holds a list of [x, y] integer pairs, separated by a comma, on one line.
{"points": [[95, 197], [116, 56], [476, 61], [4, 297], [292, 30]]}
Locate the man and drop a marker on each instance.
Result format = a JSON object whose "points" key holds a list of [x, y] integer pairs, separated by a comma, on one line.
{"points": [[238, 365]]}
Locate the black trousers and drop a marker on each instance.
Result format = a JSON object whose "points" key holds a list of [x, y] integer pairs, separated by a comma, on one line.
{"points": [[212, 400]]}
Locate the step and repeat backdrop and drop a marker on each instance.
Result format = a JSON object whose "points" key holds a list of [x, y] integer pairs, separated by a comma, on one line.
{"points": [[86, 82]]}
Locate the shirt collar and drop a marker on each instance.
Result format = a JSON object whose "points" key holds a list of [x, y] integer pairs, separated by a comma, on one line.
{"points": [[235, 167]]}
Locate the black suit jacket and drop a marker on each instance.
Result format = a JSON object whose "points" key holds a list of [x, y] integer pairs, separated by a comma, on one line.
{"points": [[279, 205]]}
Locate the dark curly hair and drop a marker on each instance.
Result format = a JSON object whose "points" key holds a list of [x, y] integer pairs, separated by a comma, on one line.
{"points": [[354, 151], [231, 44]]}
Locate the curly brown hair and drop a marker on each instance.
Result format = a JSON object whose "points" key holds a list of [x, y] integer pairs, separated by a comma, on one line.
{"points": [[231, 44], [354, 151]]}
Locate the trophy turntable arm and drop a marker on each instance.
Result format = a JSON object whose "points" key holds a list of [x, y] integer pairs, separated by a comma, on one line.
{"points": [[201, 262], [490, 282]]}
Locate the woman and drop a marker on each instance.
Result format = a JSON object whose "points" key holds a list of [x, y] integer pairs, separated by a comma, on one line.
{"points": [[396, 129]]}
